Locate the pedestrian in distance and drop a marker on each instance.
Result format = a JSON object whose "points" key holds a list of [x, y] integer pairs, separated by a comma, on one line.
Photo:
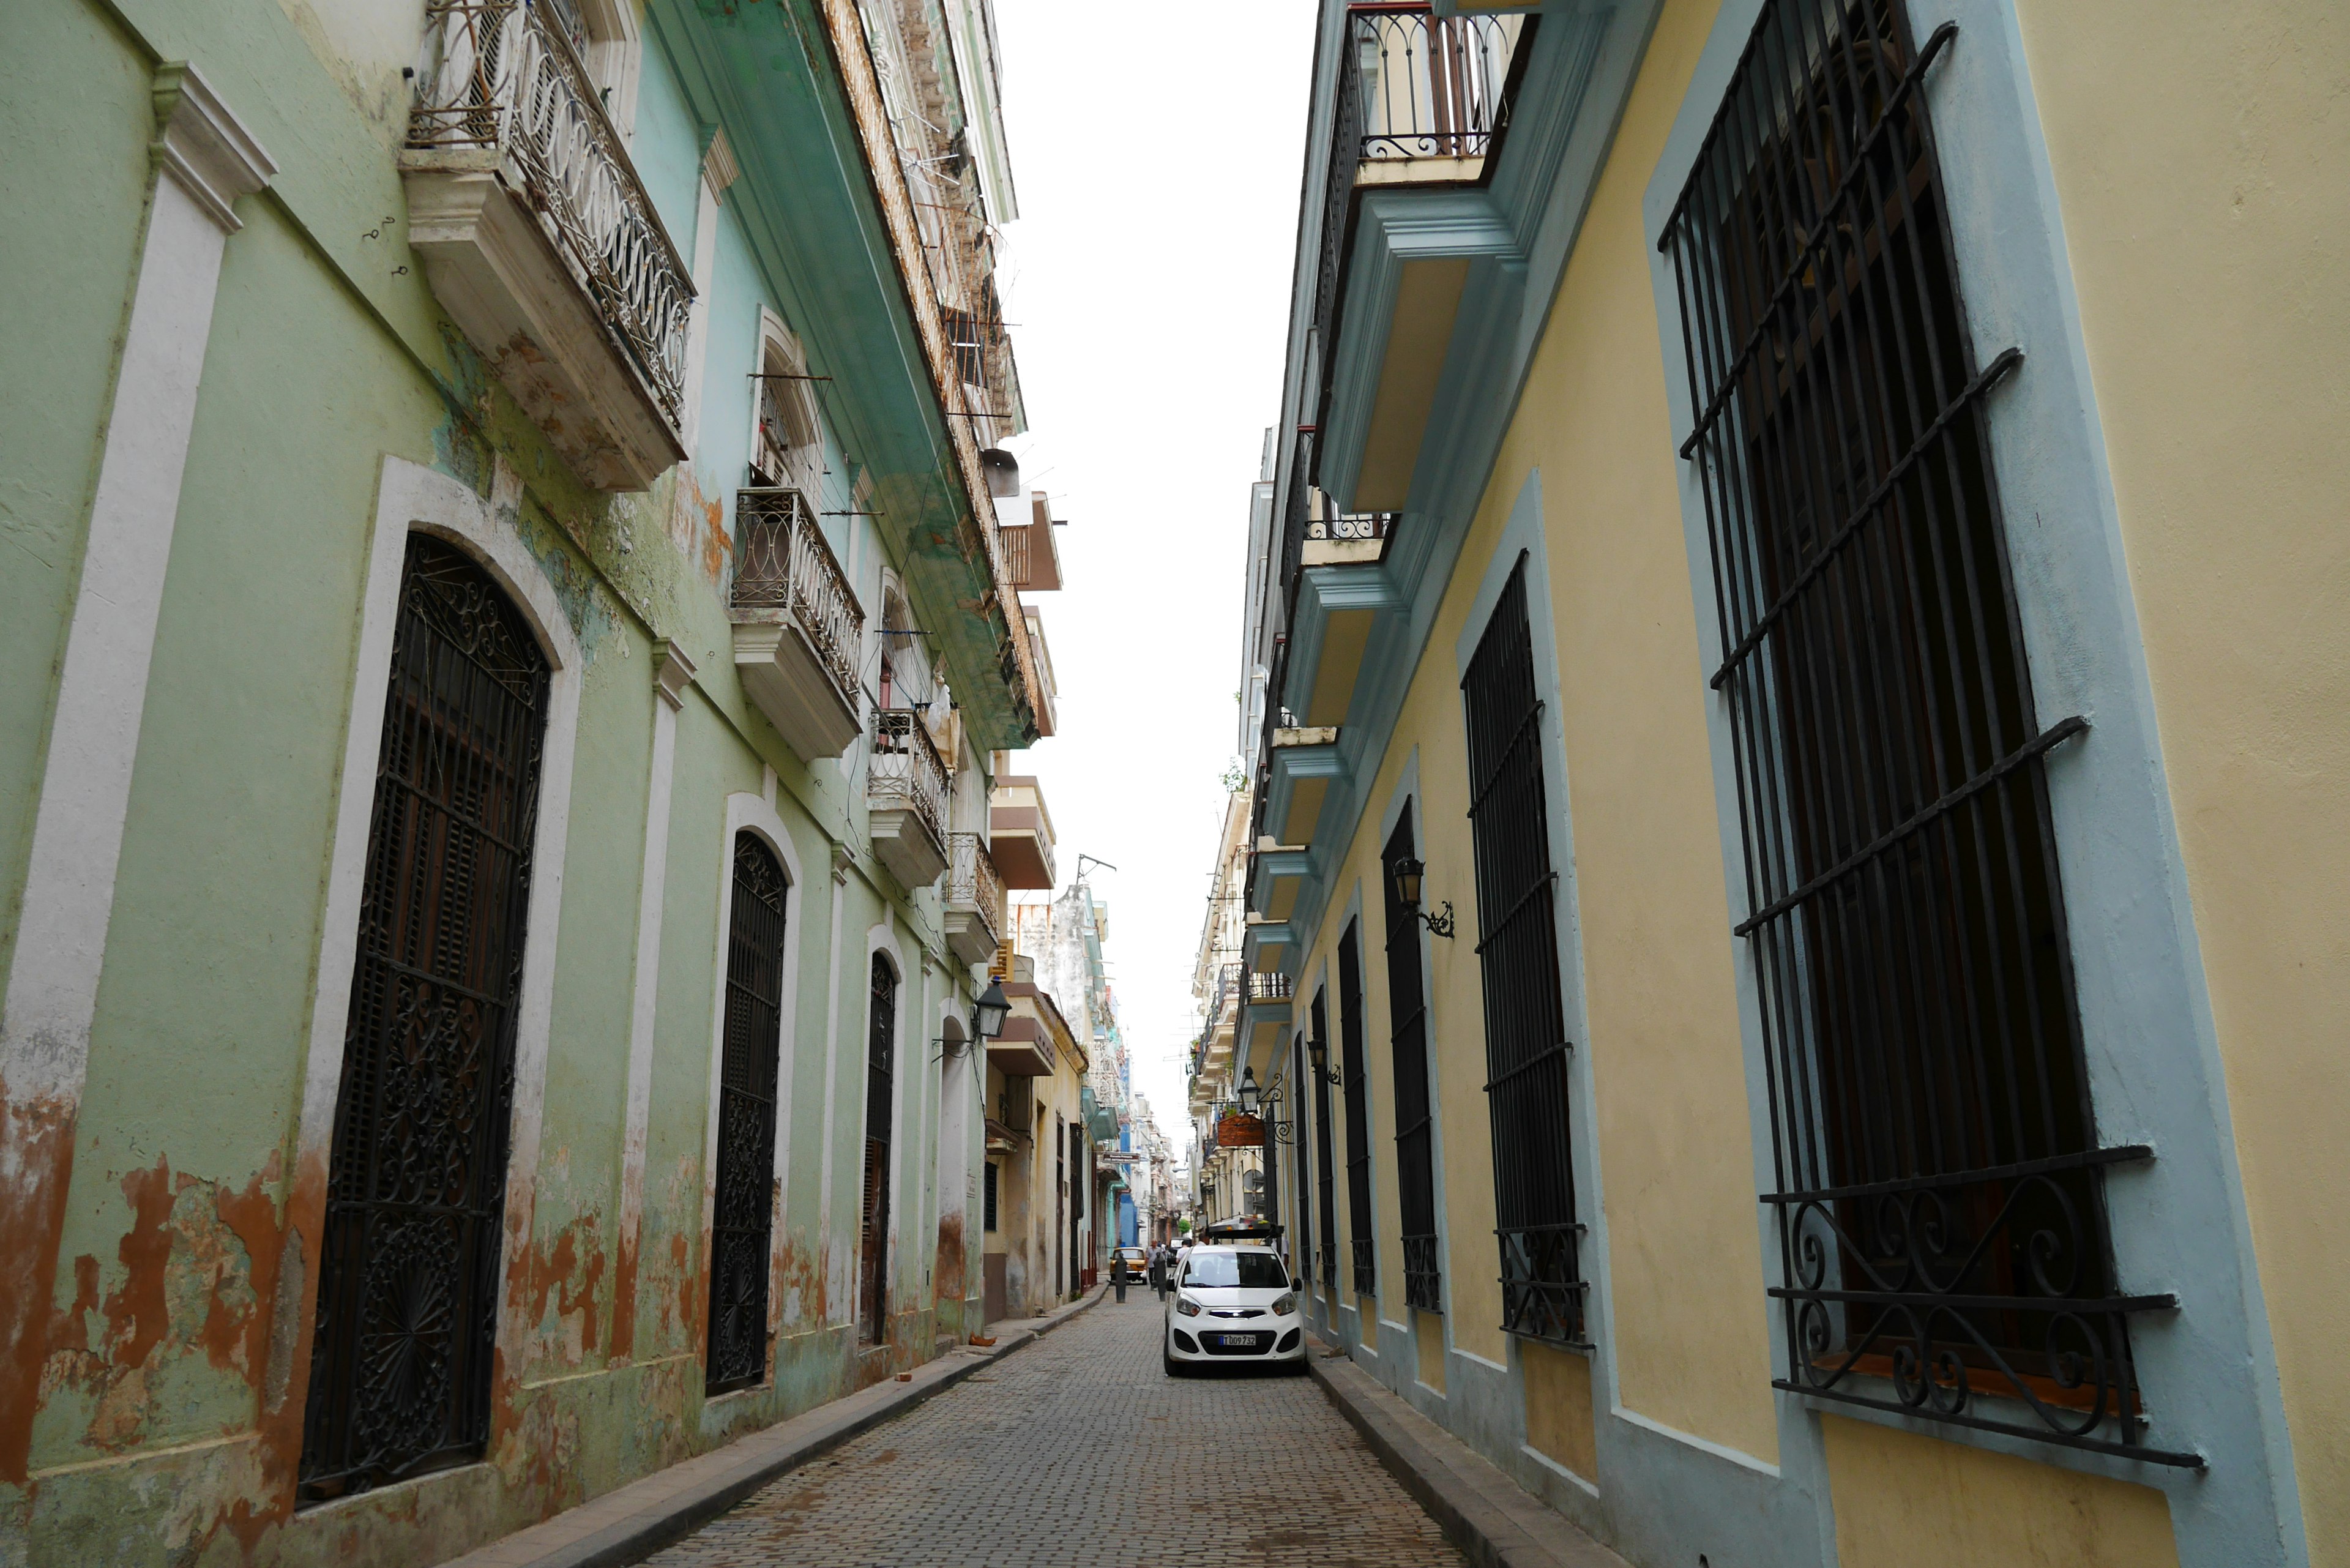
{"points": [[1117, 1277], [1158, 1272]]}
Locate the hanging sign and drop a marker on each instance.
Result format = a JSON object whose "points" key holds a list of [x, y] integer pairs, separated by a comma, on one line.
{"points": [[1237, 1130]]}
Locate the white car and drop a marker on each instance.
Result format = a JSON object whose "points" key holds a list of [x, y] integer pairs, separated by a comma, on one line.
{"points": [[1234, 1306]]}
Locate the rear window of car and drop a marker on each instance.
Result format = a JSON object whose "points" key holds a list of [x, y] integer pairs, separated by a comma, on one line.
{"points": [[1244, 1271]]}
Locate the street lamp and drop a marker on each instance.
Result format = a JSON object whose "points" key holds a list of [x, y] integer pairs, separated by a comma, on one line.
{"points": [[987, 1014], [1404, 875], [1317, 1053], [1249, 1093]]}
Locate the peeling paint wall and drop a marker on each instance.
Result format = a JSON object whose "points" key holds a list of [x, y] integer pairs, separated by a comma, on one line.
{"points": [[155, 1352]]}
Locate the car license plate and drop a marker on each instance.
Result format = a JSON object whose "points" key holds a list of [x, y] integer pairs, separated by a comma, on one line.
{"points": [[1238, 1341]]}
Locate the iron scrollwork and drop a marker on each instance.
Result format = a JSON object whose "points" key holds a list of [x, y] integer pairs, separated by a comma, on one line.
{"points": [[1900, 1284]]}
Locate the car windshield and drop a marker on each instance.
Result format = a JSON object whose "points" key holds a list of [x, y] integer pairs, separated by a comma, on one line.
{"points": [[1247, 1271]]}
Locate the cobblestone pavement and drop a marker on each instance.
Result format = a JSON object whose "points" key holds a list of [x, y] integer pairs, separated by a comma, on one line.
{"points": [[1080, 1450]]}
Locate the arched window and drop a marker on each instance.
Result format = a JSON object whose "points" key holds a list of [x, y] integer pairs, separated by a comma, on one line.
{"points": [[880, 1072], [787, 433], [400, 1369], [742, 1217]]}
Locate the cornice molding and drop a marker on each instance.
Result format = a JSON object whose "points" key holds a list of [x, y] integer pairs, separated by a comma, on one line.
{"points": [[204, 147]]}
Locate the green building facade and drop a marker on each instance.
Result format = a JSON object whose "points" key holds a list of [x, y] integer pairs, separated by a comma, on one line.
{"points": [[505, 630]]}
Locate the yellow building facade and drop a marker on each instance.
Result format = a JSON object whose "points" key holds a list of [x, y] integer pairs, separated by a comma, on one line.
{"points": [[1826, 517]]}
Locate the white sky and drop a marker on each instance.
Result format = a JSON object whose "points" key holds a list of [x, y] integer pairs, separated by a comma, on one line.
{"points": [[1149, 286]]}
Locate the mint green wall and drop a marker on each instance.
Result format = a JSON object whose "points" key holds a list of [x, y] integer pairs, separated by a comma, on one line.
{"points": [[172, 1321], [75, 115]]}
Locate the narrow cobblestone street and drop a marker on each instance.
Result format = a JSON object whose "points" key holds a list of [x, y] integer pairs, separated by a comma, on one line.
{"points": [[1080, 1450]]}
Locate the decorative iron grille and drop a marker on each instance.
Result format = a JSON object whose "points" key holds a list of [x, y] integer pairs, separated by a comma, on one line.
{"points": [[782, 562], [1353, 527], [880, 1077], [1525, 1018], [1359, 1111], [1942, 1231], [1431, 87], [744, 1212], [907, 774], [504, 76], [1414, 1114], [400, 1369], [1324, 1156]]}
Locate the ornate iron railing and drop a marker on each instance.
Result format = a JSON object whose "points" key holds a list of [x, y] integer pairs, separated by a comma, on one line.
{"points": [[504, 76], [1275, 987], [973, 879], [1349, 526], [782, 562], [1431, 87], [907, 774], [1423, 1275]]}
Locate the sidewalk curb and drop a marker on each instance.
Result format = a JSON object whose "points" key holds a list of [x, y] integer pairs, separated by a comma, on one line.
{"points": [[1495, 1521], [676, 1505]]}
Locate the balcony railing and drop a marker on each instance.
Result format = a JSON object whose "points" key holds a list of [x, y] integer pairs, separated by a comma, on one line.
{"points": [[907, 774], [1431, 87], [1353, 527], [782, 562], [1275, 987], [503, 75], [971, 880]]}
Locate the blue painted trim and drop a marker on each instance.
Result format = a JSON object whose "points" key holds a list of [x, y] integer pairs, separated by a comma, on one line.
{"points": [[2179, 1223], [1273, 864], [1570, 101], [1291, 765], [1256, 938], [1395, 229]]}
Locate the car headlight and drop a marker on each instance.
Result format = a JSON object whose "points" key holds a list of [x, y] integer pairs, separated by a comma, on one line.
{"points": [[1187, 1306], [1284, 1305]]}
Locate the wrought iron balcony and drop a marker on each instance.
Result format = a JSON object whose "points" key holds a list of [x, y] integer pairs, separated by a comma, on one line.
{"points": [[1430, 86], [798, 624], [507, 133], [974, 900], [1421, 100], [1270, 988], [906, 795]]}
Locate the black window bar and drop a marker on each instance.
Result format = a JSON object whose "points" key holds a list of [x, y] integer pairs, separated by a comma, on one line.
{"points": [[1358, 1112], [1325, 1159], [1415, 1115], [1304, 1152], [416, 1178], [1517, 949], [1940, 1206], [742, 1213], [880, 1074]]}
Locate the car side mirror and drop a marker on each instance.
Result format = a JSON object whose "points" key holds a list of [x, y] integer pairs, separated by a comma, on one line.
{"points": [[1296, 1284]]}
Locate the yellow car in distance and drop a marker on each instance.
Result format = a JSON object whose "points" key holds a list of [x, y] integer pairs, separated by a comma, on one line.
{"points": [[1137, 1265]]}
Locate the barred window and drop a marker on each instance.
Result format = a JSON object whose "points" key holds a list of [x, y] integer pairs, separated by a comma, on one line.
{"points": [[1302, 1152], [743, 1214], [1325, 1160], [1359, 1111], [880, 1074], [1517, 949], [1943, 1243], [988, 1199], [1414, 1116], [416, 1181]]}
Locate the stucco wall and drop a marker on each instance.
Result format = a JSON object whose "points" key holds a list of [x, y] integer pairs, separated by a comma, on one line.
{"points": [[2199, 156]]}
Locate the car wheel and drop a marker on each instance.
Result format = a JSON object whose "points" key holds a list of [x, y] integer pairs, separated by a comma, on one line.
{"points": [[1174, 1367]]}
